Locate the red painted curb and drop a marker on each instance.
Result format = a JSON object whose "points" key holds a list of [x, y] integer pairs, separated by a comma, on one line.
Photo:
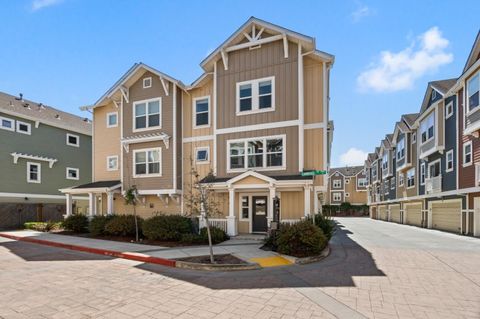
{"points": [[112, 253]]}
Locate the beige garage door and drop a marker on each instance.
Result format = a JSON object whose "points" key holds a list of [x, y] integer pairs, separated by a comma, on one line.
{"points": [[414, 214], [382, 212], [395, 213], [446, 215]]}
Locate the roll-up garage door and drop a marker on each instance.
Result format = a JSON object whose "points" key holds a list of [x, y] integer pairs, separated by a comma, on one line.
{"points": [[446, 215], [395, 213], [414, 214], [382, 212]]}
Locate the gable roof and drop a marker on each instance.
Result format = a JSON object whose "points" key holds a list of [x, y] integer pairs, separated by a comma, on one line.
{"points": [[474, 53], [410, 119], [441, 86], [37, 112], [347, 171]]}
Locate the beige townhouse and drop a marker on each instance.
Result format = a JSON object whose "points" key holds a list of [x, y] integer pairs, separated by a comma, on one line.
{"points": [[347, 184], [250, 125]]}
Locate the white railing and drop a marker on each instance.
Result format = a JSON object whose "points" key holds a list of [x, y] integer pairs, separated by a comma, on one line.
{"points": [[290, 221], [219, 223], [433, 184]]}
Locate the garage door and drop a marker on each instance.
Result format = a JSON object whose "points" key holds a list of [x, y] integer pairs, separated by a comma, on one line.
{"points": [[446, 215], [382, 212], [373, 212], [395, 213], [414, 214]]}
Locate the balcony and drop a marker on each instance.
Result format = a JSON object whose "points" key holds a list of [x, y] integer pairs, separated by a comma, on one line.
{"points": [[433, 185]]}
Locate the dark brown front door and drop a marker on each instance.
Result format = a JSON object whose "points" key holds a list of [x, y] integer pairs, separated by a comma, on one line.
{"points": [[259, 213]]}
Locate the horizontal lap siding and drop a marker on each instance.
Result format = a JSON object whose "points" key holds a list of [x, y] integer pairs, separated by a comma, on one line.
{"points": [[466, 175]]}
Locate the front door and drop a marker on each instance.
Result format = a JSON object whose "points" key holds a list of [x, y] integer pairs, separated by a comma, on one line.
{"points": [[259, 213]]}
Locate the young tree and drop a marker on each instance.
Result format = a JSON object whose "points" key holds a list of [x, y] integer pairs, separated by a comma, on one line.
{"points": [[131, 198], [200, 202]]}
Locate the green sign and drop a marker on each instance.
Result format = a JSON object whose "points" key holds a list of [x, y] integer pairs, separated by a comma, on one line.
{"points": [[313, 173]]}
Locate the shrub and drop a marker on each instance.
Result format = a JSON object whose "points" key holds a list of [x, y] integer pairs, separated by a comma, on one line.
{"points": [[167, 227], [42, 226], [97, 225], [326, 224], [218, 235], [122, 225], [76, 223], [301, 239], [192, 239]]}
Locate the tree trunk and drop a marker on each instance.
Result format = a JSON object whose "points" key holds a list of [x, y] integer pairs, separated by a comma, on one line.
{"points": [[136, 223], [210, 246]]}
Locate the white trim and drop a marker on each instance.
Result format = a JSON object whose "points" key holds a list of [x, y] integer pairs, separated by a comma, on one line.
{"points": [[255, 97], [257, 127], [464, 163], [147, 127], [16, 156], [424, 119], [311, 126], [72, 144], [28, 132], [423, 170], [145, 150], [202, 148], [469, 112], [214, 118], [198, 138], [167, 191], [45, 196], [446, 161], [237, 178], [147, 79], [194, 112], [108, 119], [39, 173], [301, 111], [9, 120], [334, 187], [108, 163], [174, 138], [333, 196], [77, 171], [448, 114]]}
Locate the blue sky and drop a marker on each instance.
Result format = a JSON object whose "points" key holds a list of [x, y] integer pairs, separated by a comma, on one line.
{"points": [[68, 53]]}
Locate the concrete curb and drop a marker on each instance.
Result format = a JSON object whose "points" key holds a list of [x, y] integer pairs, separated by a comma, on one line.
{"points": [[217, 267], [308, 260]]}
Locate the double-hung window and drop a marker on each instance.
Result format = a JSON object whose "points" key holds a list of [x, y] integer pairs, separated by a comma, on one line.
{"points": [[400, 179], [147, 114], [473, 87], [362, 182], [201, 112], [467, 153], [34, 172], [7, 124], [245, 208], [337, 183], [450, 164], [337, 197], [256, 96], [401, 149], [422, 173], [257, 153], [392, 183], [147, 162], [427, 128], [411, 178], [385, 162]]}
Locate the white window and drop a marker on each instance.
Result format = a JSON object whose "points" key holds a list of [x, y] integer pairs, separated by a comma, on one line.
{"points": [[112, 119], [422, 173], [449, 156], [414, 137], [473, 87], [434, 169], [245, 208], [256, 96], [374, 170], [401, 149], [112, 163], [7, 124], [337, 183], [73, 173], [202, 155], [34, 172], [411, 178], [24, 128], [427, 128], [147, 162], [266, 153], [434, 95], [385, 162], [337, 197], [73, 140], [400, 179], [362, 182], [392, 182], [467, 153], [147, 114], [201, 113], [147, 83], [449, 110], [347, 194]]}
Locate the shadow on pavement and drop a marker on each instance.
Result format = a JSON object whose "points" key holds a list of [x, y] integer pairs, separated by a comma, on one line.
{"points": [[347, 260]]}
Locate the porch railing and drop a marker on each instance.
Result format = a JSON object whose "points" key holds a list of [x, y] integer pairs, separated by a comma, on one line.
{"points": [[290, 221], [219, 223], [433, 184]]}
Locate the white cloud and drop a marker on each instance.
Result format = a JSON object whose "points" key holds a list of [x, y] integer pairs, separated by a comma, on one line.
{"points": [[353, 157], [361, 12], [40, 4], [396, 71]]}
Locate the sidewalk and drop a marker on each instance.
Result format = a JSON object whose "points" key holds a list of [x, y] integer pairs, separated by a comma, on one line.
{"points": [[245, 249]]}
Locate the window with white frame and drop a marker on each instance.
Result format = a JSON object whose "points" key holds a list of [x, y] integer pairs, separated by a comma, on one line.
{"points": [[400, 179], [7, 124], [422, 173], [385, 162], [374, 170], [202, 155], [414, 137], [256, 95], [34, 172], [450, 164], [73, 173], [147, 82], [73, 140], [449, 110], [473, 87], [427, 128], [112, 163], [362, 182], [245, 208], [147, 162], [392, 182], [112, 119], [337, 183], [201, 112], [256, 153], [434, 169], [401, 149], [467, 153], [411, 178], [147, 114], [337, 197], [24, 128], [434, 95]]}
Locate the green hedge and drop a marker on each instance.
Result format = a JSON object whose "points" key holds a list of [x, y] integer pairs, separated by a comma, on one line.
{"points": [[326, 224], [76, 223], [42, 226], [218, 236], [122, 225], [97, 225], [167, 227]]}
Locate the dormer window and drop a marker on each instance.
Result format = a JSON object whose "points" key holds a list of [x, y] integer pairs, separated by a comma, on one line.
{"points": [[147, 83], [473, 87], [427, 128], [256, 96]]}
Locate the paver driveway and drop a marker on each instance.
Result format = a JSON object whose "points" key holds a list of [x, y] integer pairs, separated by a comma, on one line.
{"points": [[376, 270]]}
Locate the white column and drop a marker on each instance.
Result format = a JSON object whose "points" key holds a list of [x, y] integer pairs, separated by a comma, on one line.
{"points": [[306, 192], [271, 199], [68, 198], [109, 203], [315, 201], [231, 220], [92, 205], [429, 218], [476, 216]]}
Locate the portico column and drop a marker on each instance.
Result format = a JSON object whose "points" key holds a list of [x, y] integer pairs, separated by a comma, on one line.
{"points": [[270, 205], [306, 192], [231, 220], [92, 205], [68, 198], [109, 203], [429, 218]]}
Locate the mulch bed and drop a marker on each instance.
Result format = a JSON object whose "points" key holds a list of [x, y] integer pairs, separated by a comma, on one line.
{"points": [[226, 259]]}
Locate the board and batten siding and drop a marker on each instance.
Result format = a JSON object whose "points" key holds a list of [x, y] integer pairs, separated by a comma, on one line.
{"points": [[188, 109], [313, 90]]}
